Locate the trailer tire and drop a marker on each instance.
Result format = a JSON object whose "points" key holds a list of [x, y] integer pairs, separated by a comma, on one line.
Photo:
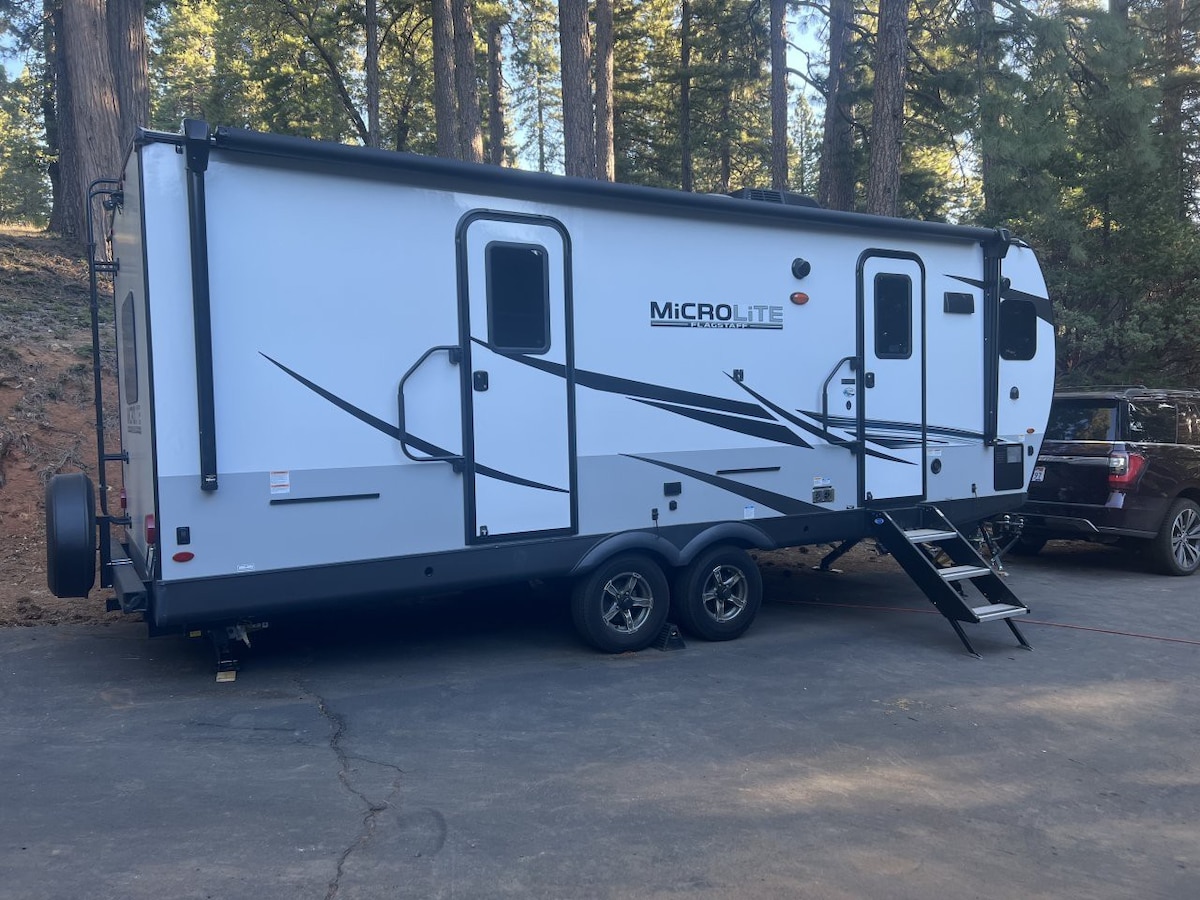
{"points": [[718, 595], [1175, 550], [70, 535], [622, 604]]}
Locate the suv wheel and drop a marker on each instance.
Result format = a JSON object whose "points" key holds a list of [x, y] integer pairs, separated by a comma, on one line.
{"points": [[1176, 548]]}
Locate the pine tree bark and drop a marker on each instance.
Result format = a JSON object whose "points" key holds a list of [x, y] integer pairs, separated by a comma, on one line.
{"points": [[605, 162], [835, 187], [579, 135], [56, 96], [371, 73], [470, 133], [126, 26], [987, 64], [445, 104], [887, 115], [779, 96], [1173, 110], [94, 127], [686, 175], [496, 104]]}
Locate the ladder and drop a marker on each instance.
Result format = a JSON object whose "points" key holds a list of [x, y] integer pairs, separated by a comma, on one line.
{"points": [[943, 564]]}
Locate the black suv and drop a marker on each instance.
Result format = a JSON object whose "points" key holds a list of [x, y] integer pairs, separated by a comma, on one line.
{"points": [[1120, 463]]}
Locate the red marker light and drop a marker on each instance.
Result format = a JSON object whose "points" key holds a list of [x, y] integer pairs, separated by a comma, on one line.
{"points": [[799, 298], [151, 530], [184, 556]]}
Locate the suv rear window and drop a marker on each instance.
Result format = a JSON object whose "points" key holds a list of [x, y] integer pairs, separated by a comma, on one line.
{"points": [[1152, 421], [1082, 421]]}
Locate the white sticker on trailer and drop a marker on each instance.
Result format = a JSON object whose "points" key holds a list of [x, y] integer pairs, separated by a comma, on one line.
{"points": [[748, 512], [281, 483]]}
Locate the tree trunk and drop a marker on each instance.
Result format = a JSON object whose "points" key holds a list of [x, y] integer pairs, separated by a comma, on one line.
{"points": [[126, 26], [779, 98], [496, 105], [92, 121], [725, 127], [470, 134], [687, 178], [56, 95], [835, 187], [445, 112], [887, 115], [371, 64], [579, 136], [987, 65], [1173, 110], [605, 163]]}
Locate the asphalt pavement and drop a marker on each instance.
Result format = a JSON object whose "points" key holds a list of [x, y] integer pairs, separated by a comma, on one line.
{"points": [[472, 747]]}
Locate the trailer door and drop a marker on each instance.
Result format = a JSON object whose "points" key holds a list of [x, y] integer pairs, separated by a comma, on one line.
{"points": [[518, 377], [891, 344]]}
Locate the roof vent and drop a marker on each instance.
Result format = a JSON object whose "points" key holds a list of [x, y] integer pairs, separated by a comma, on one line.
{"points": [[785, 198]]}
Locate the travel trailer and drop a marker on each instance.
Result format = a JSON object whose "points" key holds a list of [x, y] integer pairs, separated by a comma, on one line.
{"points": [[352, 373]]}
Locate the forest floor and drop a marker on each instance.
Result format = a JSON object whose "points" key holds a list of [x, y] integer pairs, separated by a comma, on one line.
{"points": [[47, 422], [47, 413]]}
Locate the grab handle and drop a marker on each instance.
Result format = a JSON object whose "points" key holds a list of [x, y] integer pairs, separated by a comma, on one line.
{"points": [[454, 354]]}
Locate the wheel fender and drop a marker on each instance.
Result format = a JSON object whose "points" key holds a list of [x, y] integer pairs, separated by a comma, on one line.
{"points": [[739, 533], [624, 542]]}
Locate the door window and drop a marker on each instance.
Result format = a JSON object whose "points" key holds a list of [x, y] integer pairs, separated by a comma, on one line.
{"points": [[893, 316], [518, 298], [1018, 329]]}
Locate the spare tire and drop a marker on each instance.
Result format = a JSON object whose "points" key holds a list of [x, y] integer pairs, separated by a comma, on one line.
{"points": [[70, 535]]}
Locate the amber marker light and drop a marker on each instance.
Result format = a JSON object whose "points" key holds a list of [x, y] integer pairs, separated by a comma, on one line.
{"points": [[799, 298]]}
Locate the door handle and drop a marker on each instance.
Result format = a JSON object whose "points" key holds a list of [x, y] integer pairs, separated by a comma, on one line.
{"points": [[869, 379]]}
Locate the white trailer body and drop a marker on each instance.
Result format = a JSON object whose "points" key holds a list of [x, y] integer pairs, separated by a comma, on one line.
{"points": [[346, 373]]}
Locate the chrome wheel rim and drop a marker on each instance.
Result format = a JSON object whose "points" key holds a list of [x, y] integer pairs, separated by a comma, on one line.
{"points": [[628, 600], [725, 593], [1185, 539]]}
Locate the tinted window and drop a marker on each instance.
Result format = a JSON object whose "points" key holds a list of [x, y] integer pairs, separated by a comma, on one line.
{"points": [[1018, 329], [1189, 423], [1152, 421], [518, 298], [893, 316], [1082, 421], [129, 368]]}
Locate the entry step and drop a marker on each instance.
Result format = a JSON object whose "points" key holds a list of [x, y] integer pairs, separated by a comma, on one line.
{"points": [[929, 535], [998, 611], [960, 573]]}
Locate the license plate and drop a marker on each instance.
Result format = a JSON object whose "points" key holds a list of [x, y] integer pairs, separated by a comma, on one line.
{"points": [[1039, 473]]}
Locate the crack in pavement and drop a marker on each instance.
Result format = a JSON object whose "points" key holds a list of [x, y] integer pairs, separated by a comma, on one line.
{"points": [[337, 725]]}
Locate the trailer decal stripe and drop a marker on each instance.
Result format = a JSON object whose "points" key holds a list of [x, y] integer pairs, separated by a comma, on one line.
{"points": [[639, 390], [789, 506], [393, 432], [1041, 305], [768, 431], [934, 430]]}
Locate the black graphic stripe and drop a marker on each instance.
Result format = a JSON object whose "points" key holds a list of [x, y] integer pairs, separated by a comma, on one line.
{"points": [[768, 431], [933, 430], [411, 440], [1041, 305], [640, 390], [789, 506]]}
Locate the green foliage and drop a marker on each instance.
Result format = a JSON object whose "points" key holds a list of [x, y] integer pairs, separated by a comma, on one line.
{"points": [[24, 185]]}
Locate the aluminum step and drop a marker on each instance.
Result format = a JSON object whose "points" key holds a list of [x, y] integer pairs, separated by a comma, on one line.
{"points": [[929, 535], [961, 573], [998, 611]]}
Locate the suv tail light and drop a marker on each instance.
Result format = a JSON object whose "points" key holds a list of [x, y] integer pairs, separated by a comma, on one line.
{"points": [[1124, 468]]}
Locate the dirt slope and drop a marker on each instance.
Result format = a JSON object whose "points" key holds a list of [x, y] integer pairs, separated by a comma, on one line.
{"points": [[46, 413]]}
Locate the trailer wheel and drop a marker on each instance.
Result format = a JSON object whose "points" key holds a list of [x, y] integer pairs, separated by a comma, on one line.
{"points": [[70, 535], [621, 605], [718, 595]]}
